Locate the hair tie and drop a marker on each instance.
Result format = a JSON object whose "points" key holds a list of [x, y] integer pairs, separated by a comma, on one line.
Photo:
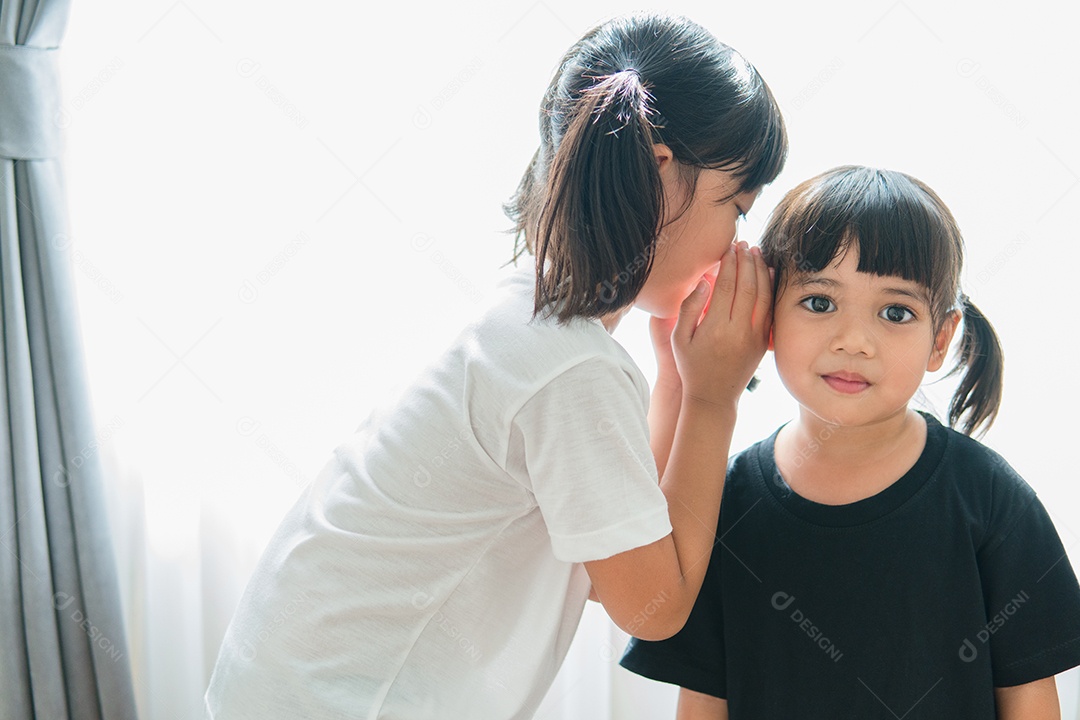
{"points": [[628, 87]]}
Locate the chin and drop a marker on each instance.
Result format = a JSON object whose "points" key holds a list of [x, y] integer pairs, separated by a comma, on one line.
{"points": [[832, 413], [850, 417]]}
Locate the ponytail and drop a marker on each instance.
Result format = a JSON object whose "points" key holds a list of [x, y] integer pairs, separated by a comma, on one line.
{"points": [[603, 203], [981, 361], [590, 206]]}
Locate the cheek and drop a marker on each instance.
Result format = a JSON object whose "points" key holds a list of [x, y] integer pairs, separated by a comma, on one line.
{"points": [[910, 361], [787, 331], [793, 369], [799, 340], [791, 348], [709, 230]]}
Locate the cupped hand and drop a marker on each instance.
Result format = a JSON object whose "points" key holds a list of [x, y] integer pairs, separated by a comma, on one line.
{"points": [[716, 353]]}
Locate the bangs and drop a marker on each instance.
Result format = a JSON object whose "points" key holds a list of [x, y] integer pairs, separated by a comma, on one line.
{"points": [[898, 226], [739, 126], [764, 152]]}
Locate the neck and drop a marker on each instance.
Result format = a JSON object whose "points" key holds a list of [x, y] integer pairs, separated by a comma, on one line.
{"points": [[839, 446]]}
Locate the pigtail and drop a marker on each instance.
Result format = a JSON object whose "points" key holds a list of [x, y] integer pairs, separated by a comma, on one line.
{"points": [[603, 203], [981, 361]]}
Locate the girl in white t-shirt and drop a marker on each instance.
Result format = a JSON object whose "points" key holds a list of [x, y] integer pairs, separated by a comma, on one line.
{"points": [[438, 564]]}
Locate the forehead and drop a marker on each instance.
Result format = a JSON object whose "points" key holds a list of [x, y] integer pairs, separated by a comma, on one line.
{"points": [[723, 183], [842, 275]]}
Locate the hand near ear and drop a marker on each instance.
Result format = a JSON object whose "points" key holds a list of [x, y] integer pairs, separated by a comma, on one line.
{"points": [[717, 354]]}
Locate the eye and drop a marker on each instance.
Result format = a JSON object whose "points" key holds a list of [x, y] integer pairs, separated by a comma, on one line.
{"points": [[818, 304], [897, 314], [742, 213]]}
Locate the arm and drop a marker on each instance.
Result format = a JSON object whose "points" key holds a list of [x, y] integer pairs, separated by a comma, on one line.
{"points": [[667, 390], [1036, 700], [666, 395], [666, 399], [696, 706], [649, 591]]}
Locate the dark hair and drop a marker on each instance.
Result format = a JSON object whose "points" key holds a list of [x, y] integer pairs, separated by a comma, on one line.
{"points": [[591, 201], [900, 228]]}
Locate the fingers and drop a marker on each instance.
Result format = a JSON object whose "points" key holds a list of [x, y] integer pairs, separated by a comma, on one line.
{"points": [[763, 306], [746, 284], [689, 313], [724, 286]]}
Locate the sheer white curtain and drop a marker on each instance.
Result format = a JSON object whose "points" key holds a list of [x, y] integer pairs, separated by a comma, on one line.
{"points": [[278, 216]]}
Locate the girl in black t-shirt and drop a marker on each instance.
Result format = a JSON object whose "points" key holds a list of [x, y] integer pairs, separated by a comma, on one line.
{"points": [[871, 562]]}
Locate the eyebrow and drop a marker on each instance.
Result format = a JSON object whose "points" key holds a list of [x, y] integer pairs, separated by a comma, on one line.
{"points": [[817, 280]]}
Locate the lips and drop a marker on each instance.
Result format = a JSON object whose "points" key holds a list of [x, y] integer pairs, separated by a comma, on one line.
{"points": [[848, 383]]}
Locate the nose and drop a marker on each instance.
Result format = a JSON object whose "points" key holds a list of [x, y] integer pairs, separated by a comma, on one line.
{"points": [[853, 336]]}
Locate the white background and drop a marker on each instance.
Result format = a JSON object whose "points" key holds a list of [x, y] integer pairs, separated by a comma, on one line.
{"points": [[281, 211]]}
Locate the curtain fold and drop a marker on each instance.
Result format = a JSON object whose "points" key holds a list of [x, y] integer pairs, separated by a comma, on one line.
{"points": [[65, 654]]}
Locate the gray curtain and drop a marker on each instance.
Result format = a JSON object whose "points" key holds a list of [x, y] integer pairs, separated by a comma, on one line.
{"points": [[62, 648]]}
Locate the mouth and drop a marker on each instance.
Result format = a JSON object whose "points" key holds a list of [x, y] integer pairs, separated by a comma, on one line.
{"points": [[846, 382]]}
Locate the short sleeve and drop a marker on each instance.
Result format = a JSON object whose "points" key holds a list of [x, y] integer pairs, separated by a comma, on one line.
{"points": [[694, 657], [1032, 599], [584, 437]]}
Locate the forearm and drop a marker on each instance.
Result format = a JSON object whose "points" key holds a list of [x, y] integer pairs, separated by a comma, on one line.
{"points": [[693, 483], [649, 591], [1036, 700], [695, 706], [663, 416]]}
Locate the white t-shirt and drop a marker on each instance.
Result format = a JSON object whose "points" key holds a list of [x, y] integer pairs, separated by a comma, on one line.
{"points": [[432, 568]]}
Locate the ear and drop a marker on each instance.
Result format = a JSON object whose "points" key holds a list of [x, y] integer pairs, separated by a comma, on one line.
{"points": [[665, 163], [663, 155], [942, 341]]}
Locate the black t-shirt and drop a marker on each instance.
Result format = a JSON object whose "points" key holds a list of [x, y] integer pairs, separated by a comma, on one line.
{"points": [[914, 603]]}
